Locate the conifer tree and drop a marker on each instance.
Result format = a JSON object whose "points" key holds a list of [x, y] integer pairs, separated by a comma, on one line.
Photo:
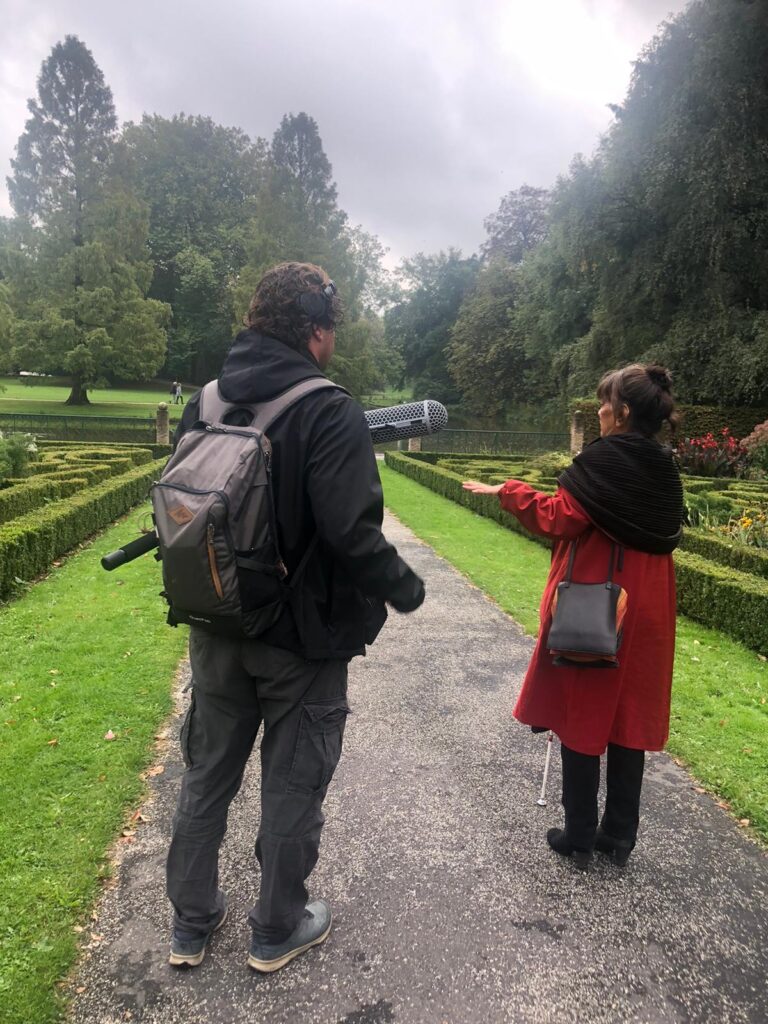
{"points": [[62, 156], [78, 274]]}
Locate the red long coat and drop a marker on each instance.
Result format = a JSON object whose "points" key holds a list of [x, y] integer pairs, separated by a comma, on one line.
{"points": [[587, 707]]}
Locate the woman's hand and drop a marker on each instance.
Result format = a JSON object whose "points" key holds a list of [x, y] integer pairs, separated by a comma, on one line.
{"points": [[478, 488]]}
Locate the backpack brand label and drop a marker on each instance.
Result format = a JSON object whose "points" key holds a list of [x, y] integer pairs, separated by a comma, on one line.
{"points": [[181, 514]]}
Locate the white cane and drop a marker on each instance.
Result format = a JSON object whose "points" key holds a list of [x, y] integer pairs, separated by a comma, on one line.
{"points": [[542, 801]]}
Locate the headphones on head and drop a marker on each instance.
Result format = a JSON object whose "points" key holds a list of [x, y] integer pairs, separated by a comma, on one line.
{"points": [[318, 305]]}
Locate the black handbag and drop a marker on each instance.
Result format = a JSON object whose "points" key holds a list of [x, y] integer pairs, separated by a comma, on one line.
{"points": [[587, 618]]}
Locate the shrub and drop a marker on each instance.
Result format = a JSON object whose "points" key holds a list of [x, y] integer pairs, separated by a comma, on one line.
{"points": [[16, 452], [551, 464], [756, 444], [29, 543], [711, 455]]}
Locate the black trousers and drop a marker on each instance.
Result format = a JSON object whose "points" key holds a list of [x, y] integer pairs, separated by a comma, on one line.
{"points": [[581, 780], [302, 704]]}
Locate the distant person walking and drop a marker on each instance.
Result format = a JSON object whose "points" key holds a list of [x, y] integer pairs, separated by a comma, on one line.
{"points": [[172, 392], [622, 491], [179, 398]]}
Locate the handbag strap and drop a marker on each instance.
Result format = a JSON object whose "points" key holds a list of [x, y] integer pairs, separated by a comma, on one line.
{"points": [[611, 562]]}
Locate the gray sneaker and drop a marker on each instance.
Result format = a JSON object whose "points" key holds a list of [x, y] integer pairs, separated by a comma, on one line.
{"points": [[311, 930], [189, 952]]}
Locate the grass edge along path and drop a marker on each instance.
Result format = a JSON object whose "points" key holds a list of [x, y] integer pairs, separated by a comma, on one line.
{"points": [[85, 654], [719, 723]]}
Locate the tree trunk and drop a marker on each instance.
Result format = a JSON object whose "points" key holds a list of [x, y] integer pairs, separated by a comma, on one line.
{"points": [[78, 395]]}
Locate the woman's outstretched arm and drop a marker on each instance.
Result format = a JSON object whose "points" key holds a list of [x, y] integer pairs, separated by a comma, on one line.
{"points": [[557, 515]]}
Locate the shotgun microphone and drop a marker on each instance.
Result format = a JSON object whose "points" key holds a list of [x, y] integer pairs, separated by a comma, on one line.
{"points": [[399, 422]]}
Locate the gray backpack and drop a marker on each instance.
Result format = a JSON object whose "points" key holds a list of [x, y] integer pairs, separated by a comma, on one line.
{"points": [[215, 520]]}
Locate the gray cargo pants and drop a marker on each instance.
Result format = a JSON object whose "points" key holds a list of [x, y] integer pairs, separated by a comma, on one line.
{"points": [[236, 686]]}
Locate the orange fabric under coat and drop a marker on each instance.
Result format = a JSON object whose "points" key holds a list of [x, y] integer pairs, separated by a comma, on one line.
{"points": [[590, 707]]}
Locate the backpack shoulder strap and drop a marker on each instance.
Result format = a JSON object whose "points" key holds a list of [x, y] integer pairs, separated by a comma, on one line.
{"points": [[267, 413], [213, 408]]}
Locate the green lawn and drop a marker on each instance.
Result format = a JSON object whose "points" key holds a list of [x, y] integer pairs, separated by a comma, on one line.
{"points": [[48, 398], [84, 653], [719, 725]]}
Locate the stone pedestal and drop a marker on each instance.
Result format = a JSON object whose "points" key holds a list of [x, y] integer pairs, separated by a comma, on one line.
{"points": [[577, 431], [414, 444], [162, 432]]}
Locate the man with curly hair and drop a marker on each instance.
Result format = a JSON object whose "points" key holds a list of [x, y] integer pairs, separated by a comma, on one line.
{"points": [[293, 678]]}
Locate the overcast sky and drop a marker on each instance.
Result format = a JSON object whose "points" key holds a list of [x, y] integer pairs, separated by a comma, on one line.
{"points": [[429, 110]]}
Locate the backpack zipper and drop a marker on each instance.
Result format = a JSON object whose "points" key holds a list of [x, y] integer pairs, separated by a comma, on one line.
{"points": [[212, 563]]}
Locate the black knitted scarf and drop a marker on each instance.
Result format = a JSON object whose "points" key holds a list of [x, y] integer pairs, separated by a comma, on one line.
{"points": [[630, 487]]}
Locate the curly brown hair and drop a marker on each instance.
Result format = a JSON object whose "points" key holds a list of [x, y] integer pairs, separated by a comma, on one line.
{"points": [[276, 310], [646, 390]]}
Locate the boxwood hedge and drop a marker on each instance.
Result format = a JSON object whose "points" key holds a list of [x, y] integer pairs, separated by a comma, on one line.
{"points": [[32, 540]]}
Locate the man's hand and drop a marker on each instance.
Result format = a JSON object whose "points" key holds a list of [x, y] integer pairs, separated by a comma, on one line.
{"points": [[477, 488]]}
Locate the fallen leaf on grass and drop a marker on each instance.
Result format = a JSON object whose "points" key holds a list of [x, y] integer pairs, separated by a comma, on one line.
{"points": [[724, 804], [762, 657], [743, 822], [109, 735], [138, 816], [694, 658], [699, 789], [53, 671], [53, 743], [78, 928]]}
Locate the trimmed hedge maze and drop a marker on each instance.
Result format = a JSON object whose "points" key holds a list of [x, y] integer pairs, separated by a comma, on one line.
{"points": [[720, 583], [73, 491]]}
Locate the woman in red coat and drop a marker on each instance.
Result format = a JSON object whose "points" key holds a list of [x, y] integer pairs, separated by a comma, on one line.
{"points": [[623, 489]]}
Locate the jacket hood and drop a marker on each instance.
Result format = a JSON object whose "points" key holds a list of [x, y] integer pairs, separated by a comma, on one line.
{"points": [[258, 367]]}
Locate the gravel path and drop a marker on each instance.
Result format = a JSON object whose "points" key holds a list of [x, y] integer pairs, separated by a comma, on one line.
{"points": [[448, 905]]}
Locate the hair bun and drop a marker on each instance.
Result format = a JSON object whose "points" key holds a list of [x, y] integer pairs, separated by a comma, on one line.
{"points": [[659, 376]]}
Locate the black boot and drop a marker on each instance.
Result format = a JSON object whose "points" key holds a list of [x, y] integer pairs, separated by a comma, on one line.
{"points": [[581, 778], [617, 849], [558, 840], [618, 829]]}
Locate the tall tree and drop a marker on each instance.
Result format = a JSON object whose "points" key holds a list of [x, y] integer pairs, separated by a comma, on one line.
{"points": [[486, 357], [657, 247], [78, 274], [62, 156], [519, 224], [201, 181], [420, 324], [303, 172], [297, 217]]}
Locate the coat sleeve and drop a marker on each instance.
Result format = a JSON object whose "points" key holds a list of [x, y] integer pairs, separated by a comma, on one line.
{"points": [[557, 515], [344, 490]]}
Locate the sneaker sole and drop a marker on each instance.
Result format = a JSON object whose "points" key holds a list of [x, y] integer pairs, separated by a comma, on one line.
{"points": [[267, 966], [177, 960]]}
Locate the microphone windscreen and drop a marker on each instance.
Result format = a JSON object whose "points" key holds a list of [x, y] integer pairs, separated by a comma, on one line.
{"points": [[399, 422]]}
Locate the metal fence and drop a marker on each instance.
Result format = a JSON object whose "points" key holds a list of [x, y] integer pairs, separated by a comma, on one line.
{"points": [[495, 442], [80, 428], [122, 428]]}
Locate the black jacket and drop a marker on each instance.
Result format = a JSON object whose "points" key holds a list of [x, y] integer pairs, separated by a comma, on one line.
{"points": [[325, 481]]}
